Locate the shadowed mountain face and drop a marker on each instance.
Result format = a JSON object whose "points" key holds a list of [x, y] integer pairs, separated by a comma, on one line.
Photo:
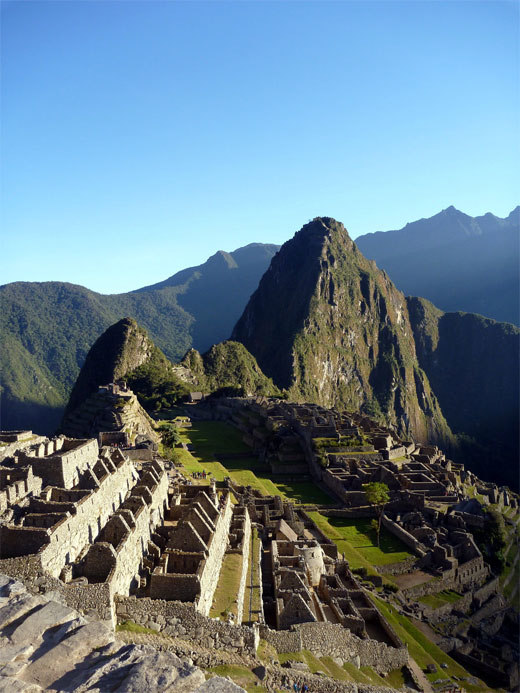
{"points": [[330, 327], [215, 293], [47, 328], [472, 365], [456, 261]]}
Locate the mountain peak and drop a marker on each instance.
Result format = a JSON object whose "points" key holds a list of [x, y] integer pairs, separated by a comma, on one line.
{"points": [[330, 327]]}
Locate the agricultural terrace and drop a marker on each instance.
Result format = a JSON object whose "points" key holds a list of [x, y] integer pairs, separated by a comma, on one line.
{"points": [[210, 440]]}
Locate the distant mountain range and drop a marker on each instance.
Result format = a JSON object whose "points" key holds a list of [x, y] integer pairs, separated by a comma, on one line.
{"points": [[46, 329], [456, 261]]}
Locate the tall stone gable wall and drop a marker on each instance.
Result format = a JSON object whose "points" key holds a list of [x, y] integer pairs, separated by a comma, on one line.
{"points": [[210, 575], [64, 468], [92, 513], [135, 545]]}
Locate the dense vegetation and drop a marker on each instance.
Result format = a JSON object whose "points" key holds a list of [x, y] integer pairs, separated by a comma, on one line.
{"points": [[229, 366]]}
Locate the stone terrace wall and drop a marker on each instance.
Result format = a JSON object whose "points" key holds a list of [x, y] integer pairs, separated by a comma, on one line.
{"points": [[11, 448], [211, 572], [183, 620], [92, 600], [246, 546], [404, 536], [65, 467], [332, 640]]}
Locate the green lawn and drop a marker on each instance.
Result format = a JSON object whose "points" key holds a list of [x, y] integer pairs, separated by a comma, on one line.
{"points": [[356, 539], [423, 650], [440, 599], [225, 597], [213, 438]]}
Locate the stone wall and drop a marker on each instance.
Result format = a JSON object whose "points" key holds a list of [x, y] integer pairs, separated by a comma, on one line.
{"points": [[210, 575], [463, 604], [332, 640], [483, 593], [405, 566], [65, 467], [183, 620], [92, 513], [246, 549], [16, 483], [401, 533], [11, 448], [131, 550]]}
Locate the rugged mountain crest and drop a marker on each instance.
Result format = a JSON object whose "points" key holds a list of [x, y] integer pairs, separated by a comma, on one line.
{"points": [[120, 350], [330, 327], [227, 365], [47, 328]]}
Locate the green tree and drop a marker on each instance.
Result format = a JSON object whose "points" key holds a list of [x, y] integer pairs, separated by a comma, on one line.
{"points": [[378, 494], [169, 434]]}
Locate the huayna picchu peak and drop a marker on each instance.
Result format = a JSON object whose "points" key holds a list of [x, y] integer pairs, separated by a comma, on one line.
{"points": [[330, 327]]}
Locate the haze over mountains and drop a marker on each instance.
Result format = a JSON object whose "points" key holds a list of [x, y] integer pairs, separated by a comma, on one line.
{"points": [[456, 261], [329, 326], [47, 328]]}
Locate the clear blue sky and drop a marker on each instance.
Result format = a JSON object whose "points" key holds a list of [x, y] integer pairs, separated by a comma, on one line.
{"points": [[140, 137]]}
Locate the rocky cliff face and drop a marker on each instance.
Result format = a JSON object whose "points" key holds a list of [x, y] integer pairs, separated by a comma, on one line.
{"points": [[330, 327], [120, 350], [472, 364]]}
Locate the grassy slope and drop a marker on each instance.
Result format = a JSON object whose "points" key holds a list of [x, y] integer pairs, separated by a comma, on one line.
{"points": [[211, 438]]}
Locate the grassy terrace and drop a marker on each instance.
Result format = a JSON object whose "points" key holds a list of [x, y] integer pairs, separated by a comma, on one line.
{"points": [[252, 593], [225, 597], [423, 650], [213, 438], [440, 599], [357, 541]]}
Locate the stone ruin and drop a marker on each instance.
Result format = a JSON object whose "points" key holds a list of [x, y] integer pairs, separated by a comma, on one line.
{"points": [[124, 538], [112, 409]]}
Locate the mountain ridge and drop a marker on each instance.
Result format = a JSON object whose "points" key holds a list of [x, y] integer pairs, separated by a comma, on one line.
{"points": [[458, 262]]}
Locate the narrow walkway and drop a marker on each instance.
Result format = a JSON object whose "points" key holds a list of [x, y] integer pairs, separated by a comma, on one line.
{"points": [[423, 681]]}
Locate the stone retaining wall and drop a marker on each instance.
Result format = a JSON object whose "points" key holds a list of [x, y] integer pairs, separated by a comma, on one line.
{"points": [[211, 572], [438, 613], [332, 640], [399, 568], [183, 620], [407, 539]]}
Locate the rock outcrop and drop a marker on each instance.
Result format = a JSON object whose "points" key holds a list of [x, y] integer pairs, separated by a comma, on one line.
{"points": [[45, 645], [227, 365], [472, 365]]}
